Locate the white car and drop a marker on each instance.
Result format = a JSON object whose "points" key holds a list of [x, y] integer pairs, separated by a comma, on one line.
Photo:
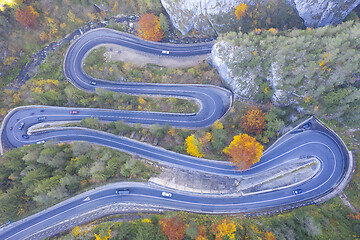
{"points": [[165, 52], [40, 142], [166, 194]]}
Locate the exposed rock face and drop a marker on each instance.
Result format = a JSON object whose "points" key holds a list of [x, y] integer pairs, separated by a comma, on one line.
{"points": [[213, 16], [206, 16], [323, 12], [243, 85]]}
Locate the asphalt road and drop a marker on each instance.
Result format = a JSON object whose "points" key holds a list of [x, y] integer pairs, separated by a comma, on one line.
{"points": [[314, 141]]}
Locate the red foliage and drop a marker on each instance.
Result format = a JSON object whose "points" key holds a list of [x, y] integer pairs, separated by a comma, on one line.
{"points": [[253, 121], [27, 16], [150, 28], [173, 228]]}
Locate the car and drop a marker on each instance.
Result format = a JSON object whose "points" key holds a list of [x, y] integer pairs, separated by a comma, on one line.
{"points": [[297, 191], [42, 110], [40, 142], [11, 128], [40, 119], [166, 194], [165, 52], [307, 125], [93, 83], [21, 125], [74, 112], [25, 136], [122, 191]]}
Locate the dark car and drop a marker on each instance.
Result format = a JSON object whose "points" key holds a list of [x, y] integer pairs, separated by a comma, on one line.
{"points": [[74, 112], [21, 125], [307, 125], [40, 119], [11, 128], [93, 83], [122, 191], [25, 136], [297, 191]]}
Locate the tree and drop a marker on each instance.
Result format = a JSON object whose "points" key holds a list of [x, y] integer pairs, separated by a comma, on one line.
{"points": [[164, 22], [253, 121], [244, 151], [10, 3], [193, 146], [173, 228], [240, 10], [225, 230], [218, 139], [27, 16], [150, 28]]}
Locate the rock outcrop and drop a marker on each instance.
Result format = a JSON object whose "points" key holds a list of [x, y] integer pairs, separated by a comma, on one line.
{"points": [[214, 16], [242, 84], [323, 12], [206, 16]]}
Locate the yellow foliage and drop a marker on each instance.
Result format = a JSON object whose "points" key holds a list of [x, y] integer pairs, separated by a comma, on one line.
{"points": [[171, 131], [21, 211], [9, 60], [257, 31], [193, 146], [115, 6], [226, 228], [43, 36], [269, 236], [217, 125], [108, 236], [76, 231], [254, 53], [16, 98], [73, 160], [141, 100], [11, 177], [111, 70], [307, 100], [71, 16], [266, 90], [205, 139], [273, 30], [146, 220], [240, 10], [3, 3]]}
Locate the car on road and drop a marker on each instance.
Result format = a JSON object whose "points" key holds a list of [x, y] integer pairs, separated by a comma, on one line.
{"points": [[25, 136], [165, 52], [40, 119], [122, 191], [11, 128], [40, 142], [42, 110], [307, 125], [93, 83], [74, 112], [22, 124], [166, 194], [297, 191]]}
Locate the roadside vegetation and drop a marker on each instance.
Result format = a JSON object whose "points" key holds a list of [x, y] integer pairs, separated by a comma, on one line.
{"points": [[327, 221], [38, 176]]}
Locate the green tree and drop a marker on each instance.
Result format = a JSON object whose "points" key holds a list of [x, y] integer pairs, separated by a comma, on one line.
{"points": [[164, 23]]}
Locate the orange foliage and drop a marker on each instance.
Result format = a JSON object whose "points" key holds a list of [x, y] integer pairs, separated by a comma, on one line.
{"points": [[240, 10], [357, 216], [269, 236], [173, 228], [27, 16], [253, 121], [150, 28], [201, 233], [244, 151]]}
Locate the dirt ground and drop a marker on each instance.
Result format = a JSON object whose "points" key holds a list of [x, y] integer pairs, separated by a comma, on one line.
{"points": [[119, 53]]}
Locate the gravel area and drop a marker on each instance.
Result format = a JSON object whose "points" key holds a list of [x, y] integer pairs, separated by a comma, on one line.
{"points": [[119, 53]]}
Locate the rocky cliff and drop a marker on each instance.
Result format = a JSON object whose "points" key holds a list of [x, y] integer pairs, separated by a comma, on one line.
{"points": [[214, 16]]}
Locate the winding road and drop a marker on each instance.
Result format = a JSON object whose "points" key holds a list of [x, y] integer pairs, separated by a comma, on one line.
{"points": [[316, 141]]}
